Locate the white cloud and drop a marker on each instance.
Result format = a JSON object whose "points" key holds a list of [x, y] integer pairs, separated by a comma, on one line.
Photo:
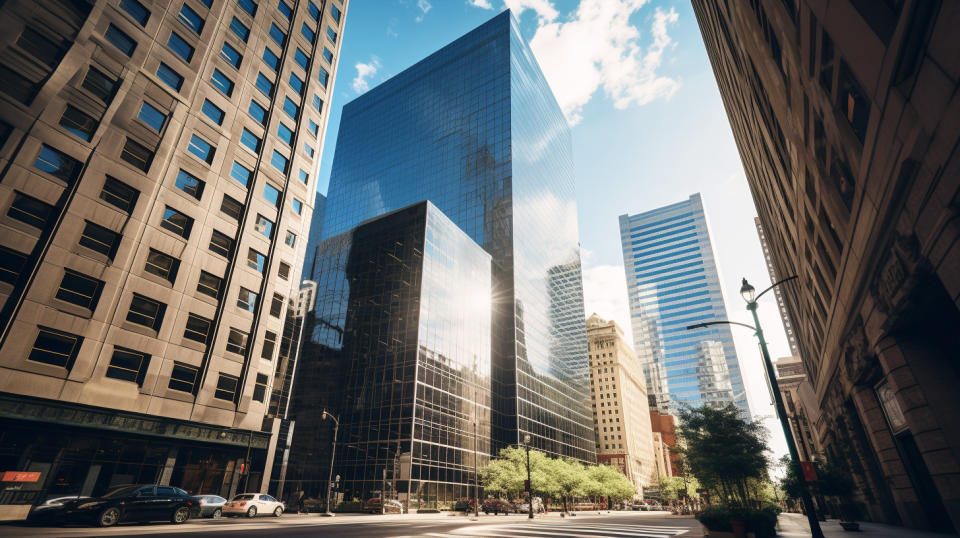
{"points": [[482, 4], [365, 71], [605, 293], [424, 6], [598, 48]]}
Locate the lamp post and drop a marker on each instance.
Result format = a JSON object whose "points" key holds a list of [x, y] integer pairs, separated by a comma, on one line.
{"points": [[526, 443], [750, 295], [333, 453]]}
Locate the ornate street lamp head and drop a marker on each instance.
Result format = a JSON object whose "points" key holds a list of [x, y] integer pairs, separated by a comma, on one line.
{"points": [[748, 292], [526, 438]]}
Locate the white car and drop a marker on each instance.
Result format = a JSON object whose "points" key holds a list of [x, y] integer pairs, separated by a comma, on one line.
{"points": [[253, 505]]}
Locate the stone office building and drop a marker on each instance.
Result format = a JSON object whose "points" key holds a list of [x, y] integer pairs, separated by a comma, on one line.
{"points": [[847, 117], [157, 171]]}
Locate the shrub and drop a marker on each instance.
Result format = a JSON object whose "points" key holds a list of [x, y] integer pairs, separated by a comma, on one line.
{"points": [[762, 522], [715, 518]]}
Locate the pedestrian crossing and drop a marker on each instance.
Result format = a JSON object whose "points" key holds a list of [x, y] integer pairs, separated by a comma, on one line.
{"points": [[570, 529]]}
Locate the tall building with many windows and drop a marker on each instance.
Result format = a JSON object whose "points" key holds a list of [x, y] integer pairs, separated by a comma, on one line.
{"points": [[475, 129], [845, 114], [157, 172], [672, 282], [779, 290]]}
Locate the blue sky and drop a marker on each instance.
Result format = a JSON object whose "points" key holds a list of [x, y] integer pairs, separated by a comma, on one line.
{"points": [[648, 128]]}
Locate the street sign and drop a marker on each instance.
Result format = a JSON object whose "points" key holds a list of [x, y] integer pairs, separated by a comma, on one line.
{"points": [[19, 476], [809, 471]]}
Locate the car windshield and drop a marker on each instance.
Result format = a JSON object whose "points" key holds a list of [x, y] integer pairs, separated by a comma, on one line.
{"points": [[245, 497], [122, 491]]}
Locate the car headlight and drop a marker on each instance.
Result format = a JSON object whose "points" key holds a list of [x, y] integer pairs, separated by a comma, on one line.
{"points": [[88, 505]]}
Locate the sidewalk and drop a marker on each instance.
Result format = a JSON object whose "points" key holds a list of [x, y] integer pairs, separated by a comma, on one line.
{"points": [[796, 526]]}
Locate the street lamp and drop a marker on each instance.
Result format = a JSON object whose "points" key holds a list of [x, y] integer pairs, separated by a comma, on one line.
{"points": [[750, 295], [526, 442], [333, 453]]}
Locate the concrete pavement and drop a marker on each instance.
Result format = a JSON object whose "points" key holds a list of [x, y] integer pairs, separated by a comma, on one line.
{"points": [[796, 526]]}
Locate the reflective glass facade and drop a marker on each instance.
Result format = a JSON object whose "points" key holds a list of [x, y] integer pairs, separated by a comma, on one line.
{"points": [[404, 317], [475, 129], [672, 282]]}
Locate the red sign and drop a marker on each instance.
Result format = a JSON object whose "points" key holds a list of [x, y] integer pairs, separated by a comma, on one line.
{"points": [[809, 472], [19, 476]]}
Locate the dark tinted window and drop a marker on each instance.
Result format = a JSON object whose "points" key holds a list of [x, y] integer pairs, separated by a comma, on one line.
{"points": [[212, 111], [119, 194], [277, 35], [176, 222], [239, 29], [11, 264], [145, 311], [183, 377], [271, 59], [221, 244], [180, 47], [209, 284], [231, 55], [100, 239], [57, 164], [78, 123], [249, 6], [137, 154], [80, 289], [122, 41], [197, 329], [152, 116], [226, 386], [189, 184], [29, 210], [201, 148], [257, 112], [231, 207], [162, 265], [169, 76], [56, 348], [136, 10], [128, 365], [190, 18], [222, 82], [100, 84]]}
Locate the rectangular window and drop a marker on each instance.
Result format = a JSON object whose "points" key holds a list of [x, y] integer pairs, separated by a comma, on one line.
{"points": [[314, 11], [277, 35], [241, 173], [80, 289], [269, 343], [17, 86], [56, 348], [276, 306], [42, 47], [308, 32], [136, 10], [852, 101], [119, 194], [291, 239], [128, 365], [335, 13], [151, 116], [279, 161], [162, 265], [237, 341], [264, 85], [231, 55], [202, 149], [257, 112], [191, 19], [11, 264], [29, 210], [271, 194], [119, 39], [297, 206], [99, 84], [296, 84], [313, 127], [239, 29], [221, 244], [290, 108], [304, 176], [285, 9], [213, 112], [271, 59], [78, 123], [331, 34], [189, 184], [209, 284], [317, 103], [100, 239], [58, 164], [249, 6], [226, 387], [183, 377], [250, 140], [222, 82], [176, 222], [247, 300], [169, 76], [137, 154], [257, 261], [308, 149], [285, 134], [301, 58], [283, 271], [323, 76], [180, 47], [197, 328], [264, 226], [260, 388], [145, 311], [231, 207], [328, 55]]}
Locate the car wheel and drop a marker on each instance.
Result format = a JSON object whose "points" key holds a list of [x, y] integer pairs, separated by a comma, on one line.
{"points": [[180, 515], [252, 512], [278, 512], [109, 517], [217, 513]]}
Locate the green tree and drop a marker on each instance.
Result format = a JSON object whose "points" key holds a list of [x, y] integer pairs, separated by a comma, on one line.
{"points": [[610, 483], [724, 451]]}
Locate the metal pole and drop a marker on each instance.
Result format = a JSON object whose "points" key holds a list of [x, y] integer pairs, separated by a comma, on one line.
{"points": [[787, 432], [529, 485], [476, 472], [336, 426]]}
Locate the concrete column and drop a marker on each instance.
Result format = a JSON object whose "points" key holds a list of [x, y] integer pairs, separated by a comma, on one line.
{"points": [[167, 471]]}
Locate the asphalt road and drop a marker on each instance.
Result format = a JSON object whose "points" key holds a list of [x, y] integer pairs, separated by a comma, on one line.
{"points": [[592, 525]]}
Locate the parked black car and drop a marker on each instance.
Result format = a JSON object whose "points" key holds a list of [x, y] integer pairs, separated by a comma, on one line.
{"points": [[211, 505], [133, 503]]}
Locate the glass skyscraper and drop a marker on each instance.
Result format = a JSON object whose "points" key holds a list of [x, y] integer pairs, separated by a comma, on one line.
{"points": [[672, 282], [474, 129]]}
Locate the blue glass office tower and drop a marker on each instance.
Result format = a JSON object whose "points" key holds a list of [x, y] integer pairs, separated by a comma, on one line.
{"points": [[475, 129], [672, 282]]}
